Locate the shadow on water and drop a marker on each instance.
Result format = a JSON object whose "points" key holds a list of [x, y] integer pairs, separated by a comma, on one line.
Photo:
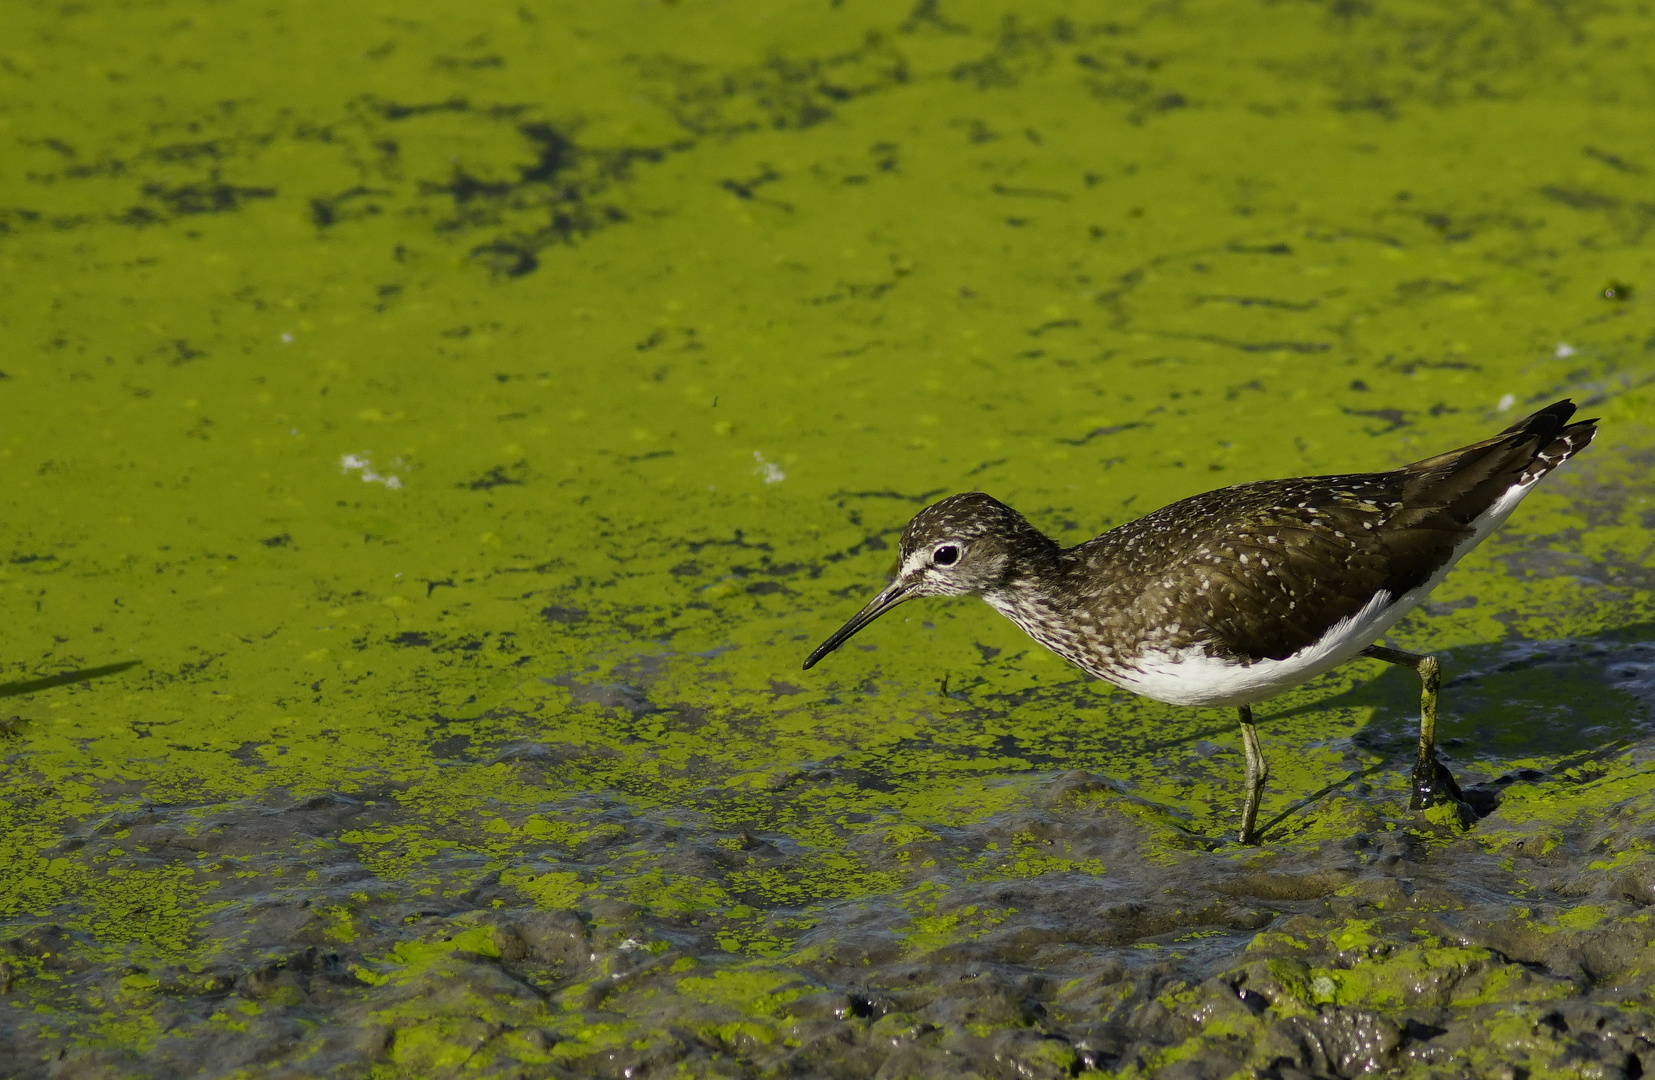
{"points": [[1503, 703], [1265, 830], [31, 686], [1518, 698]]}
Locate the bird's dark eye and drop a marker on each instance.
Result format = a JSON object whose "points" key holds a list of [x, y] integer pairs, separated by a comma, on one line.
{"points": [[947, 555]]}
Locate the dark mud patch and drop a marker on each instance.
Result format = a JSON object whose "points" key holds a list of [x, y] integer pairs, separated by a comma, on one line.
{"points": [[1081, 929]]}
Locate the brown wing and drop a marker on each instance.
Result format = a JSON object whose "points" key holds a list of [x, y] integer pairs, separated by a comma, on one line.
{"points": [[1272, 565], [1263, 570]]}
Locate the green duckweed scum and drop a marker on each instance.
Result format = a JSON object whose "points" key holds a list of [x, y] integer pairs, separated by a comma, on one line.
{"points": [[435, 436]]}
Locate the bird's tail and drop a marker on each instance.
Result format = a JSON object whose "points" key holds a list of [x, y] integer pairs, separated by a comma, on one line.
{"points": [[1466, 481]]}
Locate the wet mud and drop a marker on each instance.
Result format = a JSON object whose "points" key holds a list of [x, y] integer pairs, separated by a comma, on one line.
{"points": [[435, 438], [1083, 926]]}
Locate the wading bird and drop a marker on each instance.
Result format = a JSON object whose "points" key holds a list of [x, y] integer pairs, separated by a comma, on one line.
{"points": [[1233, 596]]}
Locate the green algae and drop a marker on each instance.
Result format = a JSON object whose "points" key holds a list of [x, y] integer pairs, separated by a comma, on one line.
{"points": [[662, 321], [759, 992]]}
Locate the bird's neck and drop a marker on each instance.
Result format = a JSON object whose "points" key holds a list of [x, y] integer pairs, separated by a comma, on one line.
{"points": [[1033, 575]]}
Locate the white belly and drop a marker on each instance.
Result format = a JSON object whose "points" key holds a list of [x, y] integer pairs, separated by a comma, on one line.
{"points": [[1192, 676]]}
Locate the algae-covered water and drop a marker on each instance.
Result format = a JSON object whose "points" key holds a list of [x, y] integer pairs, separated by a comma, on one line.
{"points": [[434, 434]]}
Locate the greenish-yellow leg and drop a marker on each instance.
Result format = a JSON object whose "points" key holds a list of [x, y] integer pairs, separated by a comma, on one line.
{"points": [[1257, 770], [1433, 783]]}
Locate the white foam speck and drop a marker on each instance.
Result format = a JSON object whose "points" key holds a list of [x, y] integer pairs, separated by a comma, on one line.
{"points": [[287, 339], [1564, 350], [769, 471], [1505, 403], [360, 462]]}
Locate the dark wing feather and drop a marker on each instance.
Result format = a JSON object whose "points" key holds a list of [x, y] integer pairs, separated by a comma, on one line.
{"points": [[1443, 496], [1263, 570], [1254, 571]]}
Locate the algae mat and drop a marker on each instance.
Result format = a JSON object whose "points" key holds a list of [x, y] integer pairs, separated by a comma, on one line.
{"points": [[436, 433]]}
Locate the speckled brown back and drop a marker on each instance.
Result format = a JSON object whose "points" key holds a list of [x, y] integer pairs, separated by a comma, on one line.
{"points": [[1262, 570]]}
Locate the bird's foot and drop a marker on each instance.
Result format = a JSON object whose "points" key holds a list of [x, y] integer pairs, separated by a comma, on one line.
{"points": [[1434, 786]]}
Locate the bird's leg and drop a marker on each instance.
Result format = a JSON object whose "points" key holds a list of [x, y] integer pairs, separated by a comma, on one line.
{"points": [[1257, 770], [1433, 783]]}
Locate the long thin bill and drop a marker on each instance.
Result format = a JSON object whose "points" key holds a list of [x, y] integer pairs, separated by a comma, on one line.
{"points": [[894, 593]]}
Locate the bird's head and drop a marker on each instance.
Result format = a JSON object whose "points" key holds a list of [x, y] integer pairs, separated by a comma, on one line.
{"points": [[964, 544]]}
